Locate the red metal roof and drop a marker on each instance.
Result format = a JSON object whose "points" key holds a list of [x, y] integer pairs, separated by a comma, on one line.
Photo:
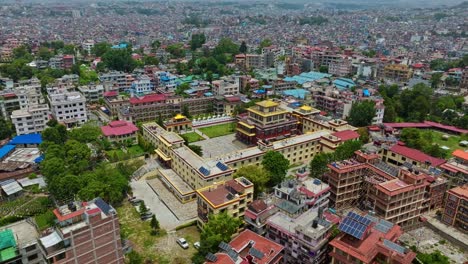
{"points": [[460, 154], [148, 99], [118, 128], [110, 93], [346, 135], [71, 215], [269, 248], [427, 124], [416, 155]]}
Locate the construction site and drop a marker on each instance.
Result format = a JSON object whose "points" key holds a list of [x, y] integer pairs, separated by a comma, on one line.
{"points": [[397, 194]]}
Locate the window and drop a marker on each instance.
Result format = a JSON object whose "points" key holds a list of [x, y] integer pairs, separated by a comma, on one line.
{"points": [[32, 257]]}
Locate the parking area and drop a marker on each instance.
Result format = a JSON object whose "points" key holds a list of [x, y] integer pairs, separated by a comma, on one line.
{"points": [[183, 211], [218, 146], [427, 241], [166, 218]]}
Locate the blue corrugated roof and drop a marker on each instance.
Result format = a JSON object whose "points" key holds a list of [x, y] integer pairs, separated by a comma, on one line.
{"points": [[39, 159], [208, 94], [5, 150], [344, 83], [366, 93], [307, 77], [27, 139], [298, 93]]}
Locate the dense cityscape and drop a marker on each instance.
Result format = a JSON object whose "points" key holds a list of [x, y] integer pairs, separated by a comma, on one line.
{"points": [[240, 132]]}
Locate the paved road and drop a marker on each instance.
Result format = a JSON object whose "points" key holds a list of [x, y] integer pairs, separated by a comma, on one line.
{"points": [[165, 217]]}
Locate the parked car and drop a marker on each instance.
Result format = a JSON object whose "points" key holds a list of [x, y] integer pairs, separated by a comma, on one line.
{"points": [[150, 214], [146, 217], [183, 243], [136, 201], [196, 245]]}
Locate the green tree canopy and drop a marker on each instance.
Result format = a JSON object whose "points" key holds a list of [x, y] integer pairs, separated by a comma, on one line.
{"points": [[277, 165], [87, 133], [101, 48], [361, 113], [220, 228], [197, 41], [257, 175], [119, 60], [6, 129]]}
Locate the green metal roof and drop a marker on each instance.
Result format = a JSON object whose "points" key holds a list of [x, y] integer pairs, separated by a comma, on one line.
{"points": [[7, 245]]}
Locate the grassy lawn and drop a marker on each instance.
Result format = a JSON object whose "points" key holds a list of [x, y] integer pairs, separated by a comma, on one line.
{"points": [[133, 151], [160, 248], [192, 137], [451, 142], [219, 130], [45, 220], [25, 206]]}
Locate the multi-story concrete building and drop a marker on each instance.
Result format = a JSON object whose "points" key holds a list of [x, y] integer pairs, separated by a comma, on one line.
{"points": [[92, 93], [398, 72], [142, 85], [456, 168], [341, 67], [304, 238], [115, 80], [368, 239], [230, 197], [19, 243], [299, 196], [86, 232], [226, 86], [265, 121], [115, 102], [30, 120], [456, 208], [247, 247], [68, 107], [399, 154], [398, 195], [88, 46]]}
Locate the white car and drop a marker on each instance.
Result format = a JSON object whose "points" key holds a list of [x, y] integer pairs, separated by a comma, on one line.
{"points": [[196, 245], [183, 243]]}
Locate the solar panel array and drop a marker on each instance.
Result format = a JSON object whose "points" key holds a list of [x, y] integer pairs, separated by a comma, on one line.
{"points": [[105, 208], [233, 255], [393, 246], [372, 218], [359, 218], [353, 228], [383, 226], [211, 257], [222, 166], [204, 171], [224, 246], [256, 253]]}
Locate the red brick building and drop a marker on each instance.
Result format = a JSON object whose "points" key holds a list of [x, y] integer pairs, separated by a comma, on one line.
{"points": [[248, 247], [87, 232], [456, 208], [367, 239]]}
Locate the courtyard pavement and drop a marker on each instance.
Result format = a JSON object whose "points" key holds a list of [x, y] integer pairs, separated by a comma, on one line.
{"points": [[218, 146]]}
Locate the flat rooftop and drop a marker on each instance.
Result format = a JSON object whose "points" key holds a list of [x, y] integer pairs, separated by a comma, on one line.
{"points": [[394, 185], [176, 180], [197, 162], [284, 143], [24, 232], [302, 222], [24, 155]]}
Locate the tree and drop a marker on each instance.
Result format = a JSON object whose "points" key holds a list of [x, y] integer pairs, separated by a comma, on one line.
{"points": [[154, 224], [277, 165], [363, 134], [150, 60], [176, 50], [135, 258], [56, 134], [160, 120], [100, 49], [318, 165], [69, 49], [119, 60], [197, 41], [256, 174], [87, 133], [143, 208], [323, 69], [6, 129], [197, 149], [435, 79], [77, 156], [362, 113], [180, 90], [186, 111], [347, 149], [243, 47], [435, 257], [44, 53], [219, 228]]}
